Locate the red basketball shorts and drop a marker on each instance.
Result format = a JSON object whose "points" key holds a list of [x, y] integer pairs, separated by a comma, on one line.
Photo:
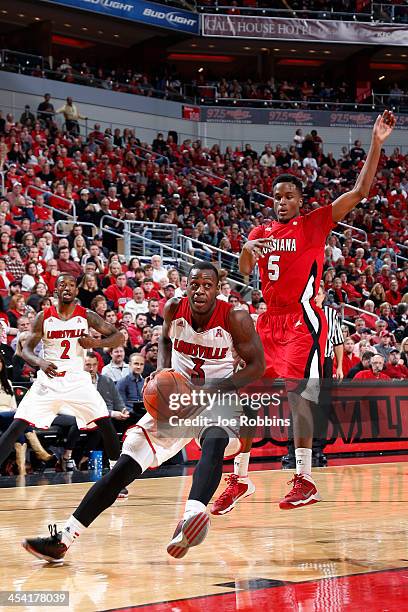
{"points": [[294, 341]]}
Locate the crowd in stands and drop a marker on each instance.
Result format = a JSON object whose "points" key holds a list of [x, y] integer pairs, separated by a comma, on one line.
{"points": [[360, 10], [319, 93], [115, 174]]}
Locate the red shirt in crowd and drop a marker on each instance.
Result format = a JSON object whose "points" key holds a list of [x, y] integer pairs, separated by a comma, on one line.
{"points": [[369, 375], [118, 296], [396, 371]]}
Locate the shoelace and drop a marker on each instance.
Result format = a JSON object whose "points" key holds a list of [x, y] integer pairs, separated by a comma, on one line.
{"points": [[231, 481], [297, 484], [53, 531]]}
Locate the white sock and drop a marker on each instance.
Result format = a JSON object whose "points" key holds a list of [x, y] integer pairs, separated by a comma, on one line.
{"points": [[303, 461], [71, 530], [193, 506], [241, 463], [112, 463]]}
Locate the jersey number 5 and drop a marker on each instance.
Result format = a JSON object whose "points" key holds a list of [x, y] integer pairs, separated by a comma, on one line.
{"points": [[66, 346], [197, 371], [273, 267]]}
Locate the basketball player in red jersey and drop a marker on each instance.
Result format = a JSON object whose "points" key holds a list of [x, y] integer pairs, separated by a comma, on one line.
{"points": [[198, 337], [61, 379], [289, 252]]}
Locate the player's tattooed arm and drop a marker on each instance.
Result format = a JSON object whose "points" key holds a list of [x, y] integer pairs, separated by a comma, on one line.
{"points": [[28, 349], [111, 336], [383, 127], [249, 348]]}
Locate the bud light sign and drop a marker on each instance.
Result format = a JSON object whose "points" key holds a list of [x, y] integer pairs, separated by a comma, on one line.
{"points": [[140, 11]]}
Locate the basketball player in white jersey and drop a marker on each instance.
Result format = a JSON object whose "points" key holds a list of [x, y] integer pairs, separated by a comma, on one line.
{"points": [[199, 333], [61, 380]]}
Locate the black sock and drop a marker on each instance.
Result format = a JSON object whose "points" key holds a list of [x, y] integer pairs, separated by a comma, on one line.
{"points": [[207, 475], [16, 429], [110, 438], [105, 491]]}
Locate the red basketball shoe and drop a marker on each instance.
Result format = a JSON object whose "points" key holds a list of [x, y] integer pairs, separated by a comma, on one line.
{"points": [[189, 532], [235, 491], [303, 493]]}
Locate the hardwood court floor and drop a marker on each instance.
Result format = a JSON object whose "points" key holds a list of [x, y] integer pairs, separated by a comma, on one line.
{"points": [[349, 552]]}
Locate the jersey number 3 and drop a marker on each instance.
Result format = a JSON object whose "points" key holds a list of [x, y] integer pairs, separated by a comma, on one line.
{"points": [[66, 346], [197, 371], [273, 267]]}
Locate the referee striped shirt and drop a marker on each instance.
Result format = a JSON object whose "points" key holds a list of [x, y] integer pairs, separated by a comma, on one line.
{"points": [[334, 335]]}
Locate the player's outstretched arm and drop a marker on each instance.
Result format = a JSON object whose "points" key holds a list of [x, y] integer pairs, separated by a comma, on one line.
{"points": [[111, 336], [249, 347], [28, 350], [345, 203]]}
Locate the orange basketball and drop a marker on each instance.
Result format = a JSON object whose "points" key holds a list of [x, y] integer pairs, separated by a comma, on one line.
{"points": [[164, 389]]}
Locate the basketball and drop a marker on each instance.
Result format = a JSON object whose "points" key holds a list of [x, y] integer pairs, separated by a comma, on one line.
{"points": [[158, 391]]}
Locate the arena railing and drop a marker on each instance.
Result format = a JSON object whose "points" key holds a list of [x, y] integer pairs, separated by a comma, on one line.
{"points": [[167, 233], [64, 223], [357, 310], [47, 192], [149, 247], [328, 13], [358, 230], [210, 175], [396, 101]]}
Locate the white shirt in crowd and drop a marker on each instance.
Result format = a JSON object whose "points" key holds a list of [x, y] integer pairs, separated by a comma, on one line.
{"points": [[134, 308], [115, 372]]}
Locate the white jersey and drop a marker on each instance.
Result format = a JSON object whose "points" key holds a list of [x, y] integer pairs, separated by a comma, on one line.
{"points": [[60, 339], [206, 354]]}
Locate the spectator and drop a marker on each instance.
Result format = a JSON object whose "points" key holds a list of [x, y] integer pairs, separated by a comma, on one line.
{"points": [[116, 368], [169, 293], [71, 116], [130, 387], [88, 289], [386, 315], [138, 304], [393, 295], [151, 352], [106, 387], [45, 110], [374, 372], [395, 369], [225, 291], [349, 358], [159, 271], [153, 318], [384, 347], [404, 352], [119, 293], [27, 118], [364, 364], [66, 264]]}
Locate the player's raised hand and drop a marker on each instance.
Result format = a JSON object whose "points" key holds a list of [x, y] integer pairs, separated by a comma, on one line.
{"points": [[87, 342], [384, 125], [255, 247], [49, 368]]}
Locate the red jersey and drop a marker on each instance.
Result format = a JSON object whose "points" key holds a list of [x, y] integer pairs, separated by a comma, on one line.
{"points": [[369, 375], [291, 267]]}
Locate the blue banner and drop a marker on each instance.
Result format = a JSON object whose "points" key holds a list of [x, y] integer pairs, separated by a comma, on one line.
{"points": [[140, 11]]}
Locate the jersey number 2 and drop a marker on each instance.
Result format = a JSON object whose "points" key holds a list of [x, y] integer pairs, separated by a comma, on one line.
{"points": [[198, 371], [273, 267], [66, 346]]}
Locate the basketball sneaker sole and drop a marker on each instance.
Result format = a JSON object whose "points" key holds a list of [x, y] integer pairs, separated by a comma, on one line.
{"points": [[234, 503], [193, 531]]}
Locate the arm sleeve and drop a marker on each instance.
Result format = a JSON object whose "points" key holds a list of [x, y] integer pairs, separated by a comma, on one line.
{"points": [[318, 224], [257, 232]]}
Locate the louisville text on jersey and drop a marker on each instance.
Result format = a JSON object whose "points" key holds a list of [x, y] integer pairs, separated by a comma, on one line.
{"points": [[197, 350]]}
